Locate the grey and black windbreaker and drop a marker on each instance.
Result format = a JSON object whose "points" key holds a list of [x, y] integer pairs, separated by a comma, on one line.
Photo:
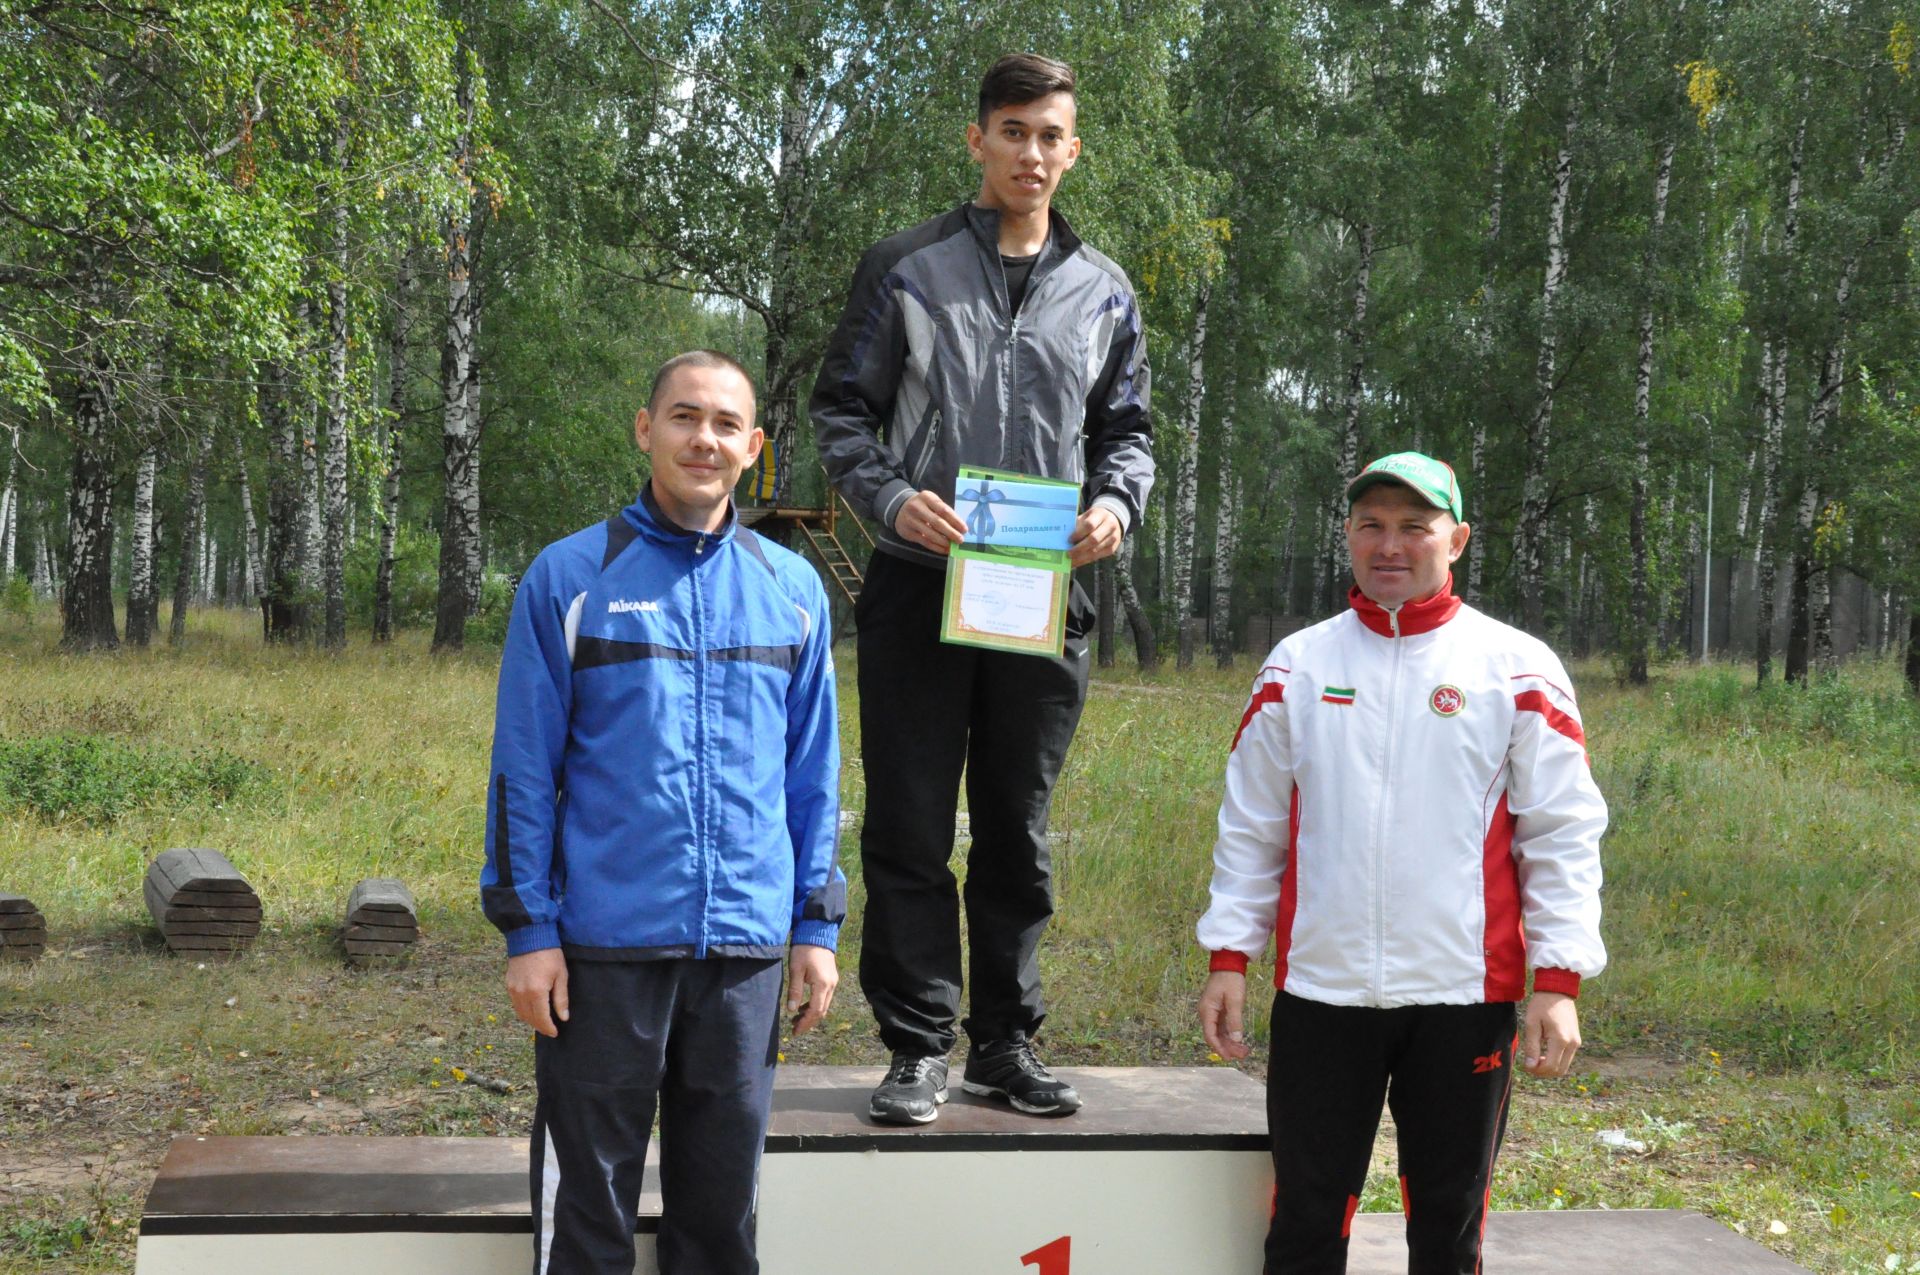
{"points": [[930, 370]]}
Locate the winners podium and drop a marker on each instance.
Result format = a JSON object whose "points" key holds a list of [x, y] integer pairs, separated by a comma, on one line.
{"points": [[1165, 1172]]}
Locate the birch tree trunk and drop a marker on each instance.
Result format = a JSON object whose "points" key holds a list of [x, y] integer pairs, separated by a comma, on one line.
{"points": [[1186, 492], [285, 604], [1483, 344], [459, 471], [10, 507], [1145, 649], [87, 621], [143, 606], [1743, 512], [396, 416], [1224, 544], [790, 197], [1355, 337], [333, 554], [192, 532], [1639, 605], [1768, 551], [249, 530], [1530, 544]]}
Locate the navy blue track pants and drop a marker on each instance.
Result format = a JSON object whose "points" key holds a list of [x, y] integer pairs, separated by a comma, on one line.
{"points": [[1446, 1073], [694, 1040]]}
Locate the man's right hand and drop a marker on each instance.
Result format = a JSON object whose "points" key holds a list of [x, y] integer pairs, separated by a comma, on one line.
{"points": [[929, 522], [537, 985], [1223, 1003]]}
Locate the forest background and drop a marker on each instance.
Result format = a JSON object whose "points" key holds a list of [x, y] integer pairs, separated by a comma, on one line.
{"points": [[324, 318], [344, 308]]}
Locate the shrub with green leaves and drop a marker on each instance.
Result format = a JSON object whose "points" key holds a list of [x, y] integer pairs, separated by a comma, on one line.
{"points": [[89, 778]]}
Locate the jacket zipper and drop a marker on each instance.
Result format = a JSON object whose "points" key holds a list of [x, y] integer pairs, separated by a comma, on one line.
{"points": [[929, 437], [702, 824], [1381, 804]]}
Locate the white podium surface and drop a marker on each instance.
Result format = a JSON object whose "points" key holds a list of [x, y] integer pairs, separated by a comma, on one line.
{"points": [[1165, 1170]]}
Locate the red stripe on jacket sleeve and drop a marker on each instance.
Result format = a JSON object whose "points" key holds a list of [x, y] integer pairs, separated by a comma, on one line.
{"points": [[1537, 702], [1228, 959], [1565, 982], [1271, 693]]}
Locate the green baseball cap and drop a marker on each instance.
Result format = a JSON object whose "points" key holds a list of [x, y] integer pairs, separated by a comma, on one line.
{"points": [[1432, 479]]}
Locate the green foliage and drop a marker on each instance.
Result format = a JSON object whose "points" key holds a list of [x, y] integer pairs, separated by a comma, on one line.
{"points": [[40, 1237], [16, 600], [416, 565], [100, 780], [1878, 723], [496, 608]]}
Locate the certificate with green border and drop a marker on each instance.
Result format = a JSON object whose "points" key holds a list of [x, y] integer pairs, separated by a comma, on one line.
{"points": [[1007, 584]]}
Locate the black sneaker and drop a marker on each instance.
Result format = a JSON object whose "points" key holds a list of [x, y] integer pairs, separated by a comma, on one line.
{"points": [[915, 1086], [1008, 1069]]}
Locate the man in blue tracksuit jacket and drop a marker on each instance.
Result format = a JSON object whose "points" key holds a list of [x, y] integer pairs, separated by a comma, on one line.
{"points": [[661, 822]]}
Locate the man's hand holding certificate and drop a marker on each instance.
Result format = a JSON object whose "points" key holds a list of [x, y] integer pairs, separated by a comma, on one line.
{"points": [[1008, 579]]}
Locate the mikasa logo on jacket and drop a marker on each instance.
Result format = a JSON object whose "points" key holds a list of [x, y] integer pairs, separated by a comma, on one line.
{"points": [[623, 606]]}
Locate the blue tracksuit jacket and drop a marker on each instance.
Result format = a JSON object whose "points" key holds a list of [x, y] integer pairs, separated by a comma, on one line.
{"points": [[666, 758]]}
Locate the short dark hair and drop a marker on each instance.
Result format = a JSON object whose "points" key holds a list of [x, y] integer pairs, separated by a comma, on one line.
{"points": [[1022, 77], [698, 358]]}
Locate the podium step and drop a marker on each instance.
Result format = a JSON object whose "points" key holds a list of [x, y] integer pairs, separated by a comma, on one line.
{"points": [[1164, 1172]]}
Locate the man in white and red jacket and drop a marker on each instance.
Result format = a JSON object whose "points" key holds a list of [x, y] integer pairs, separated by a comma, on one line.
{"points": [[1409, 812]]}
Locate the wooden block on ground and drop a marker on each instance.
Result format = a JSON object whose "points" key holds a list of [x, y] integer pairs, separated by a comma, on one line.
{"points": [[209, 942], [23, 931], [382, 933], [199, 870], [198, 905], [201, 902], [381, 923], [376, 900]]}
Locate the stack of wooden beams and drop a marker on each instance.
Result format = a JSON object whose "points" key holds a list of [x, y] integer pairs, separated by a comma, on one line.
{"points": [[381, 922], [201, 902], [23, 931]]}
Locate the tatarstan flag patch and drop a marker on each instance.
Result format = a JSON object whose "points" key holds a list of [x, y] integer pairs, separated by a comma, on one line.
{"points": [[1337, 695]]}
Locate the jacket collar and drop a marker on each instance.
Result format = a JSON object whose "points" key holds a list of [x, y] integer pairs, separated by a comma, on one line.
{"points": [[652, 521], [1423, 616], [1061, 241]]}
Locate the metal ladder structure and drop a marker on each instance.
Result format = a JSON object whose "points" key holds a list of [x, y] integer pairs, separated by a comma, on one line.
{"points": [[824, 536], [821, 528]]}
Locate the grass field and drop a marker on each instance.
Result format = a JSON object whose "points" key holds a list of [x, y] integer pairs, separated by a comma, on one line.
{"points": [[1758, 1031]]}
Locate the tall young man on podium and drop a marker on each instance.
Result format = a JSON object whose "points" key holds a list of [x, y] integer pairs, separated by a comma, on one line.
{"points": [[1409, 813], [989, 336], [661, 824]]}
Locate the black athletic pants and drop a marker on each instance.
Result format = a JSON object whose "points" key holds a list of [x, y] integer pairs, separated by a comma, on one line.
{"points": [[1445, 1072], [695, 1039], [928, 709]]}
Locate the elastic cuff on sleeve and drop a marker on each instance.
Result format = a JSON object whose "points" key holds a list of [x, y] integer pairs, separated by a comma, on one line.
{"points": [[534, 937], [1565, 982], [886, 506], [1228, 959], [817, 934], [1110, 501]]}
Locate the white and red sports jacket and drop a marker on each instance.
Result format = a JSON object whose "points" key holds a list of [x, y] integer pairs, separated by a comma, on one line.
{"points": [[1409, 810]]}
